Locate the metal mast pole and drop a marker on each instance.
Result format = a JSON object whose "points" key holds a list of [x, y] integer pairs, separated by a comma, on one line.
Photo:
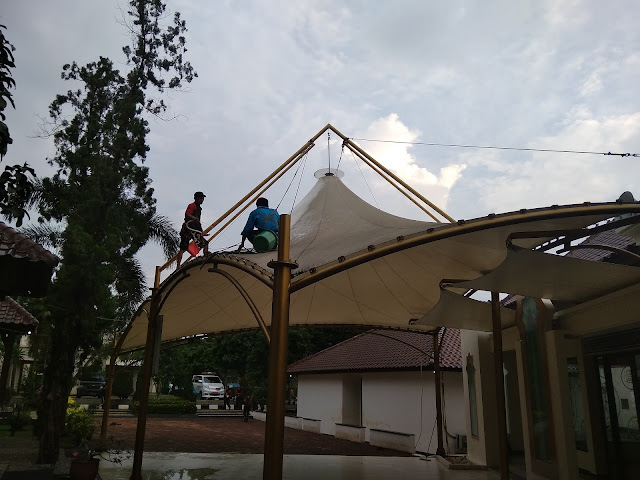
{"points": [[274, 428]]}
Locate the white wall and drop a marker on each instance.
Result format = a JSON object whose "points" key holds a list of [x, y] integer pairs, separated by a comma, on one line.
{"points": [[320, 398], [397, 401], [481, 449]]}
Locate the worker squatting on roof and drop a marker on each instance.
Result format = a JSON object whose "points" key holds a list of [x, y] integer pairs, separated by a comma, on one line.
{"points": [[262, 219]]}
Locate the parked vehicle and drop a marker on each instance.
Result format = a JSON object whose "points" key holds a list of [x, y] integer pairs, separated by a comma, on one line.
{"points": [[91, 386], [208, 386]]}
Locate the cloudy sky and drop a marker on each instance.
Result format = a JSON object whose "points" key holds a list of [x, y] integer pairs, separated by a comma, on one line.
{"points": [[537, 74]]}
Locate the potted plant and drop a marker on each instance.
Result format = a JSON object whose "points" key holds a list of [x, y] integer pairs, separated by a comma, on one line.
{"points": [[83, 464]]}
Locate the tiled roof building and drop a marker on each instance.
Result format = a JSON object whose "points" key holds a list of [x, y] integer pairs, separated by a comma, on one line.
{"points": [[25, 266], [384, 350], [14, 318]]}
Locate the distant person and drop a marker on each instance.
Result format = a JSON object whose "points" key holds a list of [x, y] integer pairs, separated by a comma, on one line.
{"points": [[247, 406], [192, 228], [101, 396], [227, 399], [261, 219], [237, 402]]}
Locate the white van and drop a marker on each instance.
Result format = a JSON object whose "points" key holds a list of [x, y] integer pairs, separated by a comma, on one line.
{"points": [[208, 386]]}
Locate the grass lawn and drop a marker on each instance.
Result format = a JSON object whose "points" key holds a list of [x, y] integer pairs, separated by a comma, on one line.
{"points": [[26, 432]]}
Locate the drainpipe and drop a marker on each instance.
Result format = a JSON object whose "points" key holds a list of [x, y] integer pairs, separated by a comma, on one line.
{"points": [[438, 381]]}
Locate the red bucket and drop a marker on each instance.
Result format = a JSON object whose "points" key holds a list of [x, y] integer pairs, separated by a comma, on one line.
{"points": [[193, 249]]}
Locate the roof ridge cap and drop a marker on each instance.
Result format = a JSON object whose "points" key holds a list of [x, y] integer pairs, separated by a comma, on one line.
{"points": [[331, 347]]}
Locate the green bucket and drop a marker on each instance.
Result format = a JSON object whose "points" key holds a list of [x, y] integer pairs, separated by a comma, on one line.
{"points": [[265, 241]]}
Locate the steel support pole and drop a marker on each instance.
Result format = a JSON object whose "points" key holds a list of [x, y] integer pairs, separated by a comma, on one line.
{"points": [[136, 472], [438, 383], [274, 428], [498, 368]]}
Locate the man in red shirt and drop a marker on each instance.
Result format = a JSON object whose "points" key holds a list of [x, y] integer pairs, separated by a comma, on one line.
{"points": [[191, 228]]}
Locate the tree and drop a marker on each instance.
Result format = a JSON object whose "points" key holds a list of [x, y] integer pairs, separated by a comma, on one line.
{"points": [[16, 181], [242, 356], [98, 208]]}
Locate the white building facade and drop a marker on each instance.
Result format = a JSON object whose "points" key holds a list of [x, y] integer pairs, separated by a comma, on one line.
{"points": [[388, 395]]}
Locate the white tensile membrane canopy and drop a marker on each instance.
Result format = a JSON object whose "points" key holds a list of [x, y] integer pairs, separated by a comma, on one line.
{"points": [[531, 274], [358, 265]]}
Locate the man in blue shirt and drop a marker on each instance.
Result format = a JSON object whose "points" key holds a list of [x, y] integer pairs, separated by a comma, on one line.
{"points": [[261, 219]]}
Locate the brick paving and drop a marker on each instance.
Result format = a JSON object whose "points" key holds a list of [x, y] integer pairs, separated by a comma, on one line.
{"points": [[230, 435]]}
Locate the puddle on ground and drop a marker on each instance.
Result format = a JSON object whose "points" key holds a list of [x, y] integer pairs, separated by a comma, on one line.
{"points": [[184, 474]]}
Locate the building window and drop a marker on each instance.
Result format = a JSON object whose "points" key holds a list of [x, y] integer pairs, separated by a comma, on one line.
{"points": [[577, 407], [473, 407]]}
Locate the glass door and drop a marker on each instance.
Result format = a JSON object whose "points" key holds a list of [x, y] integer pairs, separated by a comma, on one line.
{"points": [[620, 386]]}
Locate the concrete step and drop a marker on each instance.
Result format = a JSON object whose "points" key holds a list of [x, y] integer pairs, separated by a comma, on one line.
{"points": [[113, 413], [218, 413]]}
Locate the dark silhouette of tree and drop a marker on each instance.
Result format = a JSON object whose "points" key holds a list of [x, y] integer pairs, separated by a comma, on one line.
{"points": [[98, 208], [242, 356], [16, 180]]}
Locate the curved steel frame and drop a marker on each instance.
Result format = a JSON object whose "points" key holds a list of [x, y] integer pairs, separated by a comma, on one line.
{"points": [[247, 298], [283, 285], [112, 364], [460, 228]]}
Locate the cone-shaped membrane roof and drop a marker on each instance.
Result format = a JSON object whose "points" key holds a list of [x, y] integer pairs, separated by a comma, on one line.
{"points": [[358, 265]]}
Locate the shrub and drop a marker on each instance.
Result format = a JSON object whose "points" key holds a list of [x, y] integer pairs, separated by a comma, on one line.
{"points": [[260, 397], [79, 422], [123, 384], [168, 405], [20, 418]]}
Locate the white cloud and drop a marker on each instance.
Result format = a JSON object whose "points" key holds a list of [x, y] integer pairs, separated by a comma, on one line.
{"points": [[558, 75], [399, 159], [545, 179], [567, 13]]}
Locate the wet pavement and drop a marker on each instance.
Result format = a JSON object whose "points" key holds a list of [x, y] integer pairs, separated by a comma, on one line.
{"points": [[193, 448], [194, 466]]}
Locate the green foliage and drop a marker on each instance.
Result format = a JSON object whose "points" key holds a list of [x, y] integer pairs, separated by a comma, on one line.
{"points": [[260, 396], [31, 385], [168, 405], [123, 383], [242, 356], [79, 422], [16, 185], [101, 199], [20, 418], [7, 62]]}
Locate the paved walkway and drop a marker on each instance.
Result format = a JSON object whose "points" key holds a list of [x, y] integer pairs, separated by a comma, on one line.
{"points": [[230, 435], [230, 448], [203, 466]]}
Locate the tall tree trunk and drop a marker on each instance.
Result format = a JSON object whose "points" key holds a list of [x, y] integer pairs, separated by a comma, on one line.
{"points": [[9, 340], [55, 391]]}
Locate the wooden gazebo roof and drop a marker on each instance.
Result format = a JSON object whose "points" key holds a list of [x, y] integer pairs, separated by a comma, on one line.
{"points": [[14, 318], [25, 266]]}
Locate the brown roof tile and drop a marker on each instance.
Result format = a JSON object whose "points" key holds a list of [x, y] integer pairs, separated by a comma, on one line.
{"points": [[17, 245], [25, 266], [383, 350], [12, 314]]}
